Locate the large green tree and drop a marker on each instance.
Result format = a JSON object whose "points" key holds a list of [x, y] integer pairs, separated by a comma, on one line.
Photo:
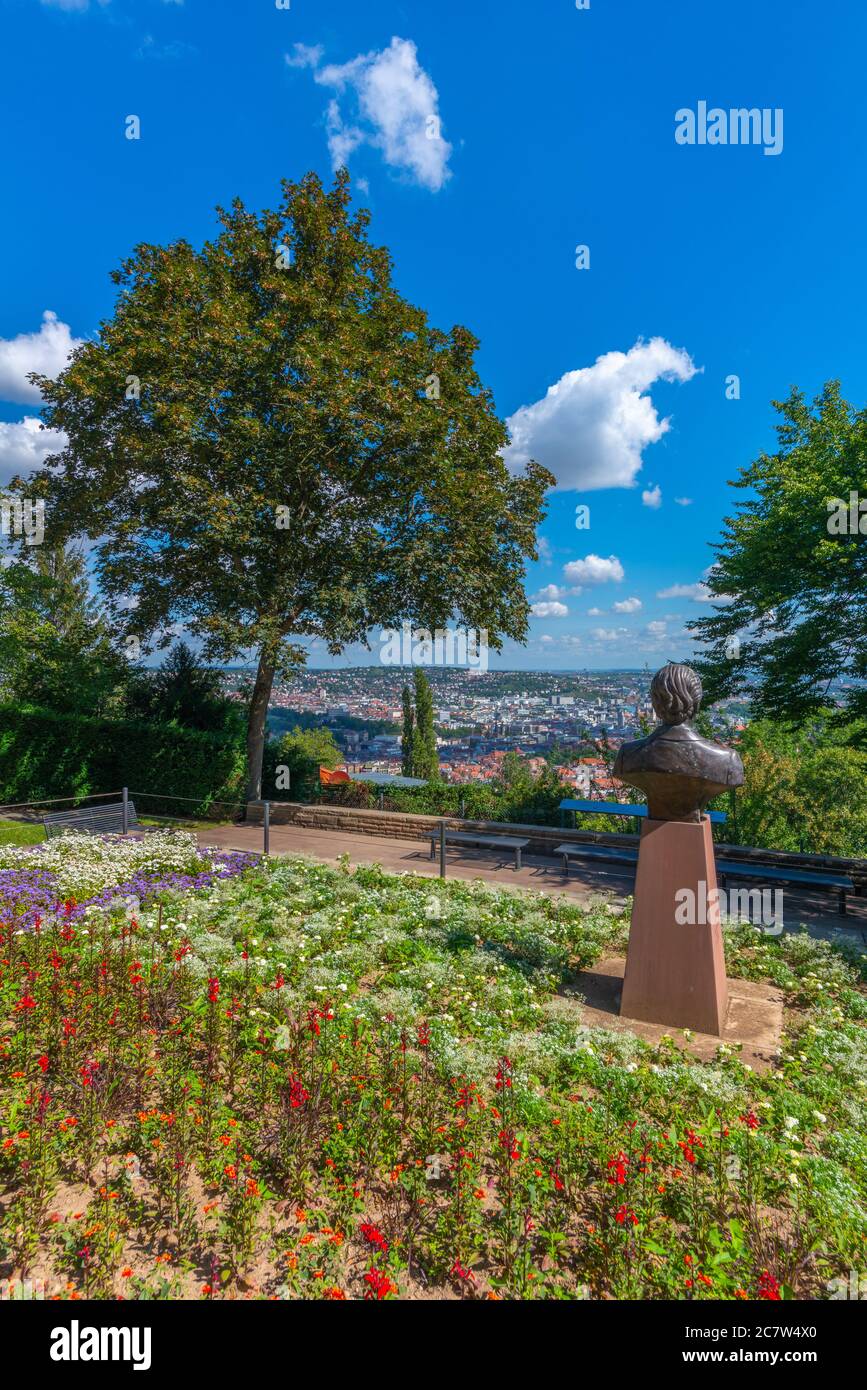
{"points": [[267, 443], [791, 611]]}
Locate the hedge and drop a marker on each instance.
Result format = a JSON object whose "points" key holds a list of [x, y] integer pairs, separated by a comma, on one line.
{"points": [[45, 755]]}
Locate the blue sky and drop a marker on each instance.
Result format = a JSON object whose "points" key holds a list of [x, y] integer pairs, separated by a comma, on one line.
{"points": [[556, 130]]}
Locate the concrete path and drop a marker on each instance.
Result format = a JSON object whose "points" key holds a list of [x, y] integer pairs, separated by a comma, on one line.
{"points": [[585, 883]]}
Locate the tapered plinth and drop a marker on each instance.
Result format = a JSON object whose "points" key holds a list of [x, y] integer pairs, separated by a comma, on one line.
{"points": [[675, 973]]}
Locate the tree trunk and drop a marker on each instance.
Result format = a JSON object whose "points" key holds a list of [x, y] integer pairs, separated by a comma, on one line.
{"points": [[256, 724]]}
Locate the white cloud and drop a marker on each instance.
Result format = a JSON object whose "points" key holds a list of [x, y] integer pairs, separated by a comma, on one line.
{"points": [[592, 425], [652, 497], [593, 569], [551, 591], [683, 501], [699, 593], [628, 605], [305, 56], [45, 351], [394, 107], [608, 634], [543, 545], [80, 5], [549, 610], [24, 446], [656, 629], [594, 612]]}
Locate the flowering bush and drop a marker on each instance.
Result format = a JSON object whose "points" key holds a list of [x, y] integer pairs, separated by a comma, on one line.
{"points": [[309, 1083], [84, 871]]}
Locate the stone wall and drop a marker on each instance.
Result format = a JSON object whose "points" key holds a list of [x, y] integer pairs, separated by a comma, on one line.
{"points": [[400, 826]]}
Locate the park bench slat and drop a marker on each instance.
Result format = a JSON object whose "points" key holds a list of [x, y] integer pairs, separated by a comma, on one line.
{"points": [[90, 819], [733, 868], [623, 808], [611, 854], [464, 837]]}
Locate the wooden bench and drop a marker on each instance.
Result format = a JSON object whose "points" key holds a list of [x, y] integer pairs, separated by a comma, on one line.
{"points": [[732, 868], [464, 837], [91, 820], [611, 854]]}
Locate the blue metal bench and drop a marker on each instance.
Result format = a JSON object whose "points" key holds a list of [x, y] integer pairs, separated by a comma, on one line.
{"points": [[730, 868], [623, 808], [611, 854]]}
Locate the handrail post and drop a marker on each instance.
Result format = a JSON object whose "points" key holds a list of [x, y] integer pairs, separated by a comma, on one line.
{"points": [[266, 827], [125, 809], [442, 849]]}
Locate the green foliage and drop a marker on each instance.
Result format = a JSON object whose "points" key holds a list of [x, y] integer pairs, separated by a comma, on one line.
{"points": [[805, 789], [302, 752], [407, 733], [45, 754], [419, 757], [797, 611], [184, 693], [521, 799], [55, 644]]}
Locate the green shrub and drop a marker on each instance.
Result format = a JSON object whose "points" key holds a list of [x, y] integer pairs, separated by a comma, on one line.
{"points": [[45, 755]]}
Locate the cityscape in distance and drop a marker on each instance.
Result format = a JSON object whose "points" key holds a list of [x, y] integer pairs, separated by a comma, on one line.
{"points": [[564, 718]]}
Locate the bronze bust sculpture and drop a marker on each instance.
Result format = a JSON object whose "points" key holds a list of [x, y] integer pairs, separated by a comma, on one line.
{"points": [[677, 769]]}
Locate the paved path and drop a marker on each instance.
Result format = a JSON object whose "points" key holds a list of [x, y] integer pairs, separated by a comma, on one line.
{"points": [[590, 881]]}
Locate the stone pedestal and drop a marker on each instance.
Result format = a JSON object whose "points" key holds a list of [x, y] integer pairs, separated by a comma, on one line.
{"points": [[675, 973]]}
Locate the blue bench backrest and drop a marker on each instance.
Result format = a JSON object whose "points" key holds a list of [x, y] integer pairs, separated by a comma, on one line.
{"points": [[622, 808]]}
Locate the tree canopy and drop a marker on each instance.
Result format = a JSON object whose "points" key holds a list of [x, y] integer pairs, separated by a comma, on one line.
{"points": [[267, 442], [790, 616]]}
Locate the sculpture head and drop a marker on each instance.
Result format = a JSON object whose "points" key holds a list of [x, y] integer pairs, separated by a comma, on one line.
{"points": [[675, 693]]}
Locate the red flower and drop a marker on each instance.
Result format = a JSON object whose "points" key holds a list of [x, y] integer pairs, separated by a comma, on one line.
{"points": [[509, 1143], [379, 1284], [213, 990], [751, 1120], [43, 1062], [88, 1072], [624, 1214], [374, 1237], [297, 1094], [423, 1035], [460, 1273], [25, 1002], [617, 1169], [769, 1288], [504, 1079]]}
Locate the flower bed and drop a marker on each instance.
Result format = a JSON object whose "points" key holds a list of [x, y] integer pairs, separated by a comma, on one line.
{"points": [[310, 1083], [75, 873]]}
